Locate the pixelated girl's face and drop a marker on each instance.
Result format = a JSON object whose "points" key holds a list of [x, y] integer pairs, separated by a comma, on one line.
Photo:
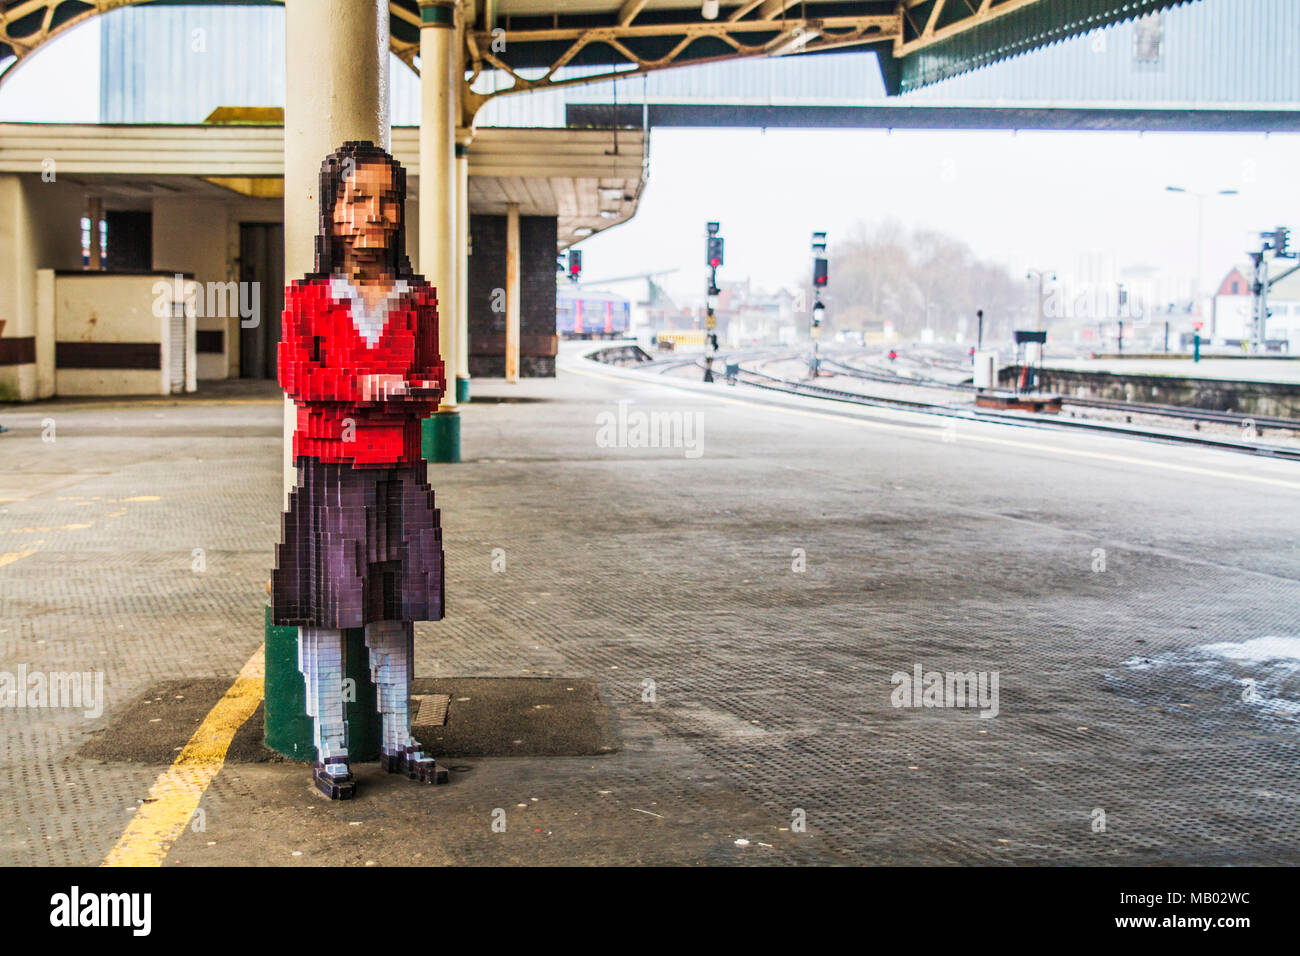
{"points": [[366, 215]]}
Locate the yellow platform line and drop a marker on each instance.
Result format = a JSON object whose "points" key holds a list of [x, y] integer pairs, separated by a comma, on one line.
{"points": [[175, 795], [9, 557]]}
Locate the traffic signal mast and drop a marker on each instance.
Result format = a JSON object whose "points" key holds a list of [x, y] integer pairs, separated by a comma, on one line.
{"points": [[821, 274], [1278, 242], [715, 250], [713, 256]]}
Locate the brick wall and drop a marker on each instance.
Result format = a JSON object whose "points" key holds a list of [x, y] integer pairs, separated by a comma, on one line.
{"points": [[487, 275]]}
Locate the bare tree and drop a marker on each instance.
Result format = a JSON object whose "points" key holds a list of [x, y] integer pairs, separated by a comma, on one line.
{"points": [[919, 279]]}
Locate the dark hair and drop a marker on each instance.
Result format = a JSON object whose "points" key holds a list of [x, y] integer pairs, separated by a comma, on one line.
{"points": [[343, 162]]}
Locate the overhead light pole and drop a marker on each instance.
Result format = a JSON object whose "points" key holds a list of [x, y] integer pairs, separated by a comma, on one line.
{"points": [[1040, 320], [1200, 198]]}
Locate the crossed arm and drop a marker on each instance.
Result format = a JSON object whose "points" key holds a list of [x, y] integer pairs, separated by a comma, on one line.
{"points": [[306, 378]]}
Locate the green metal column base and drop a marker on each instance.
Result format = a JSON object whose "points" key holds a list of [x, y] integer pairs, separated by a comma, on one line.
{"points": [[288, 729], [462, 390], [440, 438]]}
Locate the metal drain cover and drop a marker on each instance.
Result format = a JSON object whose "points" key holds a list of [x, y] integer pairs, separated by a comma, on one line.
{"points": [[432, 710]]}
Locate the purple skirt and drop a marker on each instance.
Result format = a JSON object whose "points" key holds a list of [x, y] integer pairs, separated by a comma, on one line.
{"points": [[360, 545]]}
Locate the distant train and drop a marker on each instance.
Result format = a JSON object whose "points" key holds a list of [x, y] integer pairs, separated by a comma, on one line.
{"points": [[582, 314]]}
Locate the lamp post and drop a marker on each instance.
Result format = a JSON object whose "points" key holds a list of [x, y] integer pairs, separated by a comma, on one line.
{"points": [[1034, 350], [1200, 198]]}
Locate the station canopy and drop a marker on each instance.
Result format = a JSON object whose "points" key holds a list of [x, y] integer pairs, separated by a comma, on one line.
{"points": [[917, 42]]}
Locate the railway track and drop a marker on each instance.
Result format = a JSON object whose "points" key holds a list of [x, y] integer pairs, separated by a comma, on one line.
{"points": [[963, 410], [1242, 421], [667, 365], [1025, 419], [1195, 414], [890, 377]]}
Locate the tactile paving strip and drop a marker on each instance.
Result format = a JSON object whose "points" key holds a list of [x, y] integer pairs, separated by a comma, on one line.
{"points": [[636, 565]]}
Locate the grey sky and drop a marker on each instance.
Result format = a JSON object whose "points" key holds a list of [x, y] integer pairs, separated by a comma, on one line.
{"points": [[1026, 199]]}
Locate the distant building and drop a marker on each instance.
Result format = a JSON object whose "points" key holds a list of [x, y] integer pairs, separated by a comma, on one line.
{"points": [[1233, 305], [749, 316], [1235, 283]]}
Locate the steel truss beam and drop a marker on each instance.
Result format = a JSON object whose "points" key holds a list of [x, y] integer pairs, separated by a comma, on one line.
{"points": [[781, 36], [912, 27], [921, 31], [30, 39], [25, 42]]}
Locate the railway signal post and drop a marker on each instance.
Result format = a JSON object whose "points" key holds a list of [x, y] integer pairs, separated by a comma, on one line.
{"points": [[821, 275], [713, 255], [1278, 242]]}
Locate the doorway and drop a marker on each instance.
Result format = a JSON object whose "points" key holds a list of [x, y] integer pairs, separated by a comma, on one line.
{"points": [[261, 260], [130, 240]]}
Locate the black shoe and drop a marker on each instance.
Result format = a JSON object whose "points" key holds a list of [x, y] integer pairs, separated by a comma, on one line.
{"points": [[420, 767], [334, 786]]}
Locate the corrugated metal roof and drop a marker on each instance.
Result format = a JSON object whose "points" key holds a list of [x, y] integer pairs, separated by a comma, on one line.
{"points": [[1215, 52], [176, 64], [1011, 34], [1210, 53], [169, 64]]}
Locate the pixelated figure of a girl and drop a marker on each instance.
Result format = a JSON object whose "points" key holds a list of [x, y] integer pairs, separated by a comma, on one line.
{"points": [[362, 545]]}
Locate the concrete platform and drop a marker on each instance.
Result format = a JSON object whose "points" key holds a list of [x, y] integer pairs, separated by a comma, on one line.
{"points": [[1231, 369], [1242, 386], [743, 601]]}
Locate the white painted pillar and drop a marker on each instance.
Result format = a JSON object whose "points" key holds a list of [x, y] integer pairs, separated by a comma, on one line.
{"points": [[512, 292], [45, 333], [17, 288], [462, 265], [463, 137], [439, 64], [336, 89]]}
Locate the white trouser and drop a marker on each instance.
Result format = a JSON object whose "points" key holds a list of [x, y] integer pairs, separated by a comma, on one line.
{"points": [[392, 645], [320, 659]]}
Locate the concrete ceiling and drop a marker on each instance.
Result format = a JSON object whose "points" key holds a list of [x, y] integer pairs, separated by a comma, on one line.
{"points": [[588, 179]]}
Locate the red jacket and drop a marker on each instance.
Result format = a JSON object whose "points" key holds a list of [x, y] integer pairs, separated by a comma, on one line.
{"points": [[322, 356]]}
